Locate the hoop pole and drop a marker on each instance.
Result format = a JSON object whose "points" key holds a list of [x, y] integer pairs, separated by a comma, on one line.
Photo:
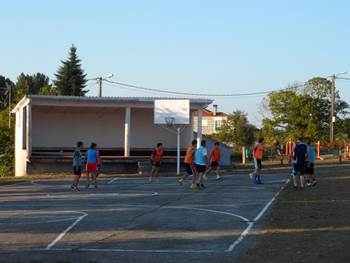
{"points": [[178, 132]]}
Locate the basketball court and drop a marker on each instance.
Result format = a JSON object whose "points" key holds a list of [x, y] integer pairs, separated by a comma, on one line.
{"points": [[128, 218]]}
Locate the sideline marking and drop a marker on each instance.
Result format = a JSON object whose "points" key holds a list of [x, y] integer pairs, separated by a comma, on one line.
{"points": [[111, 181], [60, 236], [259, 215], [134, 250], [76, 194], [41, 222]]}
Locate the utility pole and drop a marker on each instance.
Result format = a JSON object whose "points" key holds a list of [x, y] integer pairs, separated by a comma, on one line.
{"points": [[332, 119], [99, 80], [9, 90]]}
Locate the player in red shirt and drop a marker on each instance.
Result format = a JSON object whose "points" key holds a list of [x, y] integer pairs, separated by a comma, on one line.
{"points": [[156, 158], [214, 160]]}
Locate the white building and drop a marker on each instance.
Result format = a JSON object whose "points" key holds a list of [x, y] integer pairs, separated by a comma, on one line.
{"points": [[48, 128]]}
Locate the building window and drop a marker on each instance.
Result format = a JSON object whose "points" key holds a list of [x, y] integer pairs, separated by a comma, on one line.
{"points": [[24, 128], [217, 125]]}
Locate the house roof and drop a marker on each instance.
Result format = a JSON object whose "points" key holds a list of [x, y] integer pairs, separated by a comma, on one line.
{"points": [[209, 113], [56, 100]]}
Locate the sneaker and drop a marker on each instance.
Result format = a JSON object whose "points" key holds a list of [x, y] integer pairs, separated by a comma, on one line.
{"points": [[251, 176], [198, 186], [308, 184], [87, 186], [314, 183], [181, 181], [218, 177], [202, 186], [150, 179], [258, 180], [73, 188], [95, 185], [193, 186], [295, 188]]}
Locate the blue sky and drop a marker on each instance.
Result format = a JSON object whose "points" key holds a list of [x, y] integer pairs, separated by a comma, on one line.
{"points": [[190, 46]]}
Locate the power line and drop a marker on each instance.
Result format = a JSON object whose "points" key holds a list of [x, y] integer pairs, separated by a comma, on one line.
{"points": [[195, 94]]}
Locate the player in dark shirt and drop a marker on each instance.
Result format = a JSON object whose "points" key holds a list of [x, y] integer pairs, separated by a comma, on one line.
{"points": [[299, 157]]}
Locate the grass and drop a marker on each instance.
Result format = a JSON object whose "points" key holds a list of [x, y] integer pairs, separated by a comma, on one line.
{"points": [[312, 225]]}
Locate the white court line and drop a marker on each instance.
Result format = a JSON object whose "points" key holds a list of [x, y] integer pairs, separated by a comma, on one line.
{"points": [[111, 181], [76, 194], [49, 247], [250, 225], [60, 236], [208, 210], [41, 222], [134, 250]]}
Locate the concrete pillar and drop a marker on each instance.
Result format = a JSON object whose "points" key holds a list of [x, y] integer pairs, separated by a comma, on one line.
{"points": [[191, 128], [29, 130], [127, 132], [199, 127]]}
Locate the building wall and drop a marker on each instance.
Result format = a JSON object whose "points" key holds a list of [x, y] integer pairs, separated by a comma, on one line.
{"points": [[145, 134], [63, 128], [20, 153], [208, 123]]}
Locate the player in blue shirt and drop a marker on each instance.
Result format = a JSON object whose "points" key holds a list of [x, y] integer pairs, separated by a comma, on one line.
{"points": [[77, 166], [201, 160], [311, 159]]}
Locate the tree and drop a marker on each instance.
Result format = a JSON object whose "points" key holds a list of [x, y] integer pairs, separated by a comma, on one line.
{"points": [[5, 84], [70, 78], [304, 112], [6, 145], [31, 84], [236, 130]]}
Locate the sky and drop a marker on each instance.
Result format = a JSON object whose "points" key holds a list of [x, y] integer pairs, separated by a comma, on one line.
{"points": [[188, 46]]}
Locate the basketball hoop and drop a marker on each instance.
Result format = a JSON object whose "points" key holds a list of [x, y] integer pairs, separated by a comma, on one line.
{"points": [[173, 115], [169, 121]]}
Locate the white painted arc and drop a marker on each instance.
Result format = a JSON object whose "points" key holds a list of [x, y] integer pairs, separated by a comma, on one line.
{"points": [[251, 224], [60, 236]]}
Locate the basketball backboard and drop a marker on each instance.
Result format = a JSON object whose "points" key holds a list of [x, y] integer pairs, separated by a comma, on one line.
{"points": [[177, 109]]}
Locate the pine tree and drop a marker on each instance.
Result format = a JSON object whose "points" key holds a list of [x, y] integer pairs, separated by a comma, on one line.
{"points": [[70, 78]]}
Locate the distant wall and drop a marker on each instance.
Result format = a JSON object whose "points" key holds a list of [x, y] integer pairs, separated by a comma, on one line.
{"points": [[64, 127]]}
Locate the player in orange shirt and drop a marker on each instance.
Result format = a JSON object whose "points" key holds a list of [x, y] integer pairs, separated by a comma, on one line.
{"points": [[214, 160], [258, 154], [189, 163], [156, 158]]}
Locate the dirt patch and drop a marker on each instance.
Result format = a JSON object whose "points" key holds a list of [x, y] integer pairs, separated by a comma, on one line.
{"points": [[312, 225]]}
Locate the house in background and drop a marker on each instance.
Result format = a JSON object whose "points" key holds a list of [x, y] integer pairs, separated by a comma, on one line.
{"points": [[211, 120]]}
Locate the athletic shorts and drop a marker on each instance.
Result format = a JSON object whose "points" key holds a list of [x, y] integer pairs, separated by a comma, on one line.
{"points": [[156, 164], [190, 169], [309, 169], [91, 167], [299, 168], [214, 164], [201, 168], [77, 170], [257, 163]]}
